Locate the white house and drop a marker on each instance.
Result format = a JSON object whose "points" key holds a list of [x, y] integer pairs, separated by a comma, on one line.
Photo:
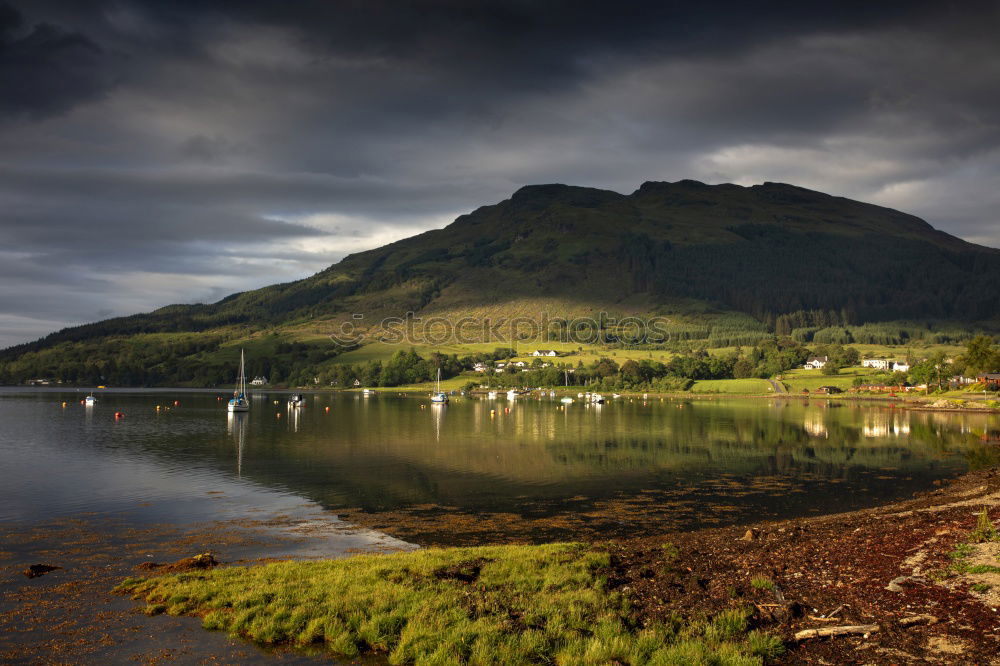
{"points": [[519, 364], [545, 352], [815, 362], [479, 367], [877, 363], [900, 367], [258, 381]]}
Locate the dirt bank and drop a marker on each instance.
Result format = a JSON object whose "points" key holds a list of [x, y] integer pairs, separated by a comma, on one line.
{"points": [[838, 570]]}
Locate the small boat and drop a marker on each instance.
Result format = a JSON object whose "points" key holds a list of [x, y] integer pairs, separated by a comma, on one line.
{"points": [[367, 391], [90, 400], [597, 398], [552, 394], [297, 400], [567, 400], [492, 395], [512, 394], [616, 395], [239, 402], [439, 397]]}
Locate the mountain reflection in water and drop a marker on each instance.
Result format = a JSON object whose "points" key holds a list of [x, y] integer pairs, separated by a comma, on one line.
{"points": [[746, 458]]}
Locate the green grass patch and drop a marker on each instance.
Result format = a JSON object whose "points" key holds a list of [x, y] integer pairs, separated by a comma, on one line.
{"points": [[451, 384], [734, 386], [487, 605], [799, 378], [761, 583]]}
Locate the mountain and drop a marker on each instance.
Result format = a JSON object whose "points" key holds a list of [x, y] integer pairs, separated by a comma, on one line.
{"points": [[684, 248]]}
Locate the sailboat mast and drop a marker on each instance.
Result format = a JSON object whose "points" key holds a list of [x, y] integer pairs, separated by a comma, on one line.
{"points": [[240, 379]]}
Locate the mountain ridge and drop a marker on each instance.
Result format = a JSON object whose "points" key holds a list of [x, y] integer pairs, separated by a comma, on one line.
{"points": [[763, 250]]}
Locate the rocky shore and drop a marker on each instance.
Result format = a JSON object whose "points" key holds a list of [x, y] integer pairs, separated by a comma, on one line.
{"points": [[913, 582]]}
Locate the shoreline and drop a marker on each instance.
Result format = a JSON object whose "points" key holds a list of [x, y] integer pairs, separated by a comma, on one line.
{"points": [[71, 615], [908, 402], [817, 564], [905, 582]]}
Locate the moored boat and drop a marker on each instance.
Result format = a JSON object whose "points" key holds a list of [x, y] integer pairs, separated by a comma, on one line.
{"points": [[439, 397], [239, 402]]}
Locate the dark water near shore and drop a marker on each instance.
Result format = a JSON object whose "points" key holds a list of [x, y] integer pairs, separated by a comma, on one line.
{"points": [[752, 458]]}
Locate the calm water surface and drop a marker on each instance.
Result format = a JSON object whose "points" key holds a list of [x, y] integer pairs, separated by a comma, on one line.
{"points": [[757, 458]]}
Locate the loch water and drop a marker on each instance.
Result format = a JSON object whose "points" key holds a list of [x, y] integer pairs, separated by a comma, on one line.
{"points": [[715, 460]]}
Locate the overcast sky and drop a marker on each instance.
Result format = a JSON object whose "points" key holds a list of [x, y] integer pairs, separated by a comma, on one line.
{"points": [[164, 152]]}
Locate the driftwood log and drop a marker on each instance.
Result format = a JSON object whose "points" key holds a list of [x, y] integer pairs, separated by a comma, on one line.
{"points": [[822, 632], [917, 619]]}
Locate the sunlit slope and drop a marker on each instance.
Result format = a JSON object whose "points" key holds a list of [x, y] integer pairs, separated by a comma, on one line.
{"points": [[682, 248]]}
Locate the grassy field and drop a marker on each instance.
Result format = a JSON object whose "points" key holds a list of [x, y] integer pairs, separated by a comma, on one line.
{"points": [[800, 378], [452, 384], [736, 386], [486, 605], [569, 353]]}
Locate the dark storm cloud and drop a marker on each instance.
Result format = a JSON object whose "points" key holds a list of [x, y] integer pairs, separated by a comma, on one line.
{"points": [[45, 69], [155, 152]]}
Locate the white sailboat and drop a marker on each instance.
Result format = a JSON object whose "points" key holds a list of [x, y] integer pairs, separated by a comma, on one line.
{"points": [[239, 402], [90, 400], [439, 397]]}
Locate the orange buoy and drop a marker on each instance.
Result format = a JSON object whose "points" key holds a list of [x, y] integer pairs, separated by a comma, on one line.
{"points": [[119, 415], [177, 403], [326, 409], [278, 415], [64, 404]]}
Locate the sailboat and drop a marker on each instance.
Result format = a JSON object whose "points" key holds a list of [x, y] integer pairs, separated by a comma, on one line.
{"points": [[239, 402], [439, 397], [90, 400]]}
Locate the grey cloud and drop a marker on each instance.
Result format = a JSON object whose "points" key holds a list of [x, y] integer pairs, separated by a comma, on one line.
{"points": [[46, 69], [203, 135]]}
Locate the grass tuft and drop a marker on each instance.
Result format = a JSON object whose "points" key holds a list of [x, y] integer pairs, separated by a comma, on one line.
{"points": [[761, 583], [488, 605], [985, 530]]}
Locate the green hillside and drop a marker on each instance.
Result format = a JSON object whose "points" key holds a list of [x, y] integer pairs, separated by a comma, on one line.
{"points": [[728, 264]]}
